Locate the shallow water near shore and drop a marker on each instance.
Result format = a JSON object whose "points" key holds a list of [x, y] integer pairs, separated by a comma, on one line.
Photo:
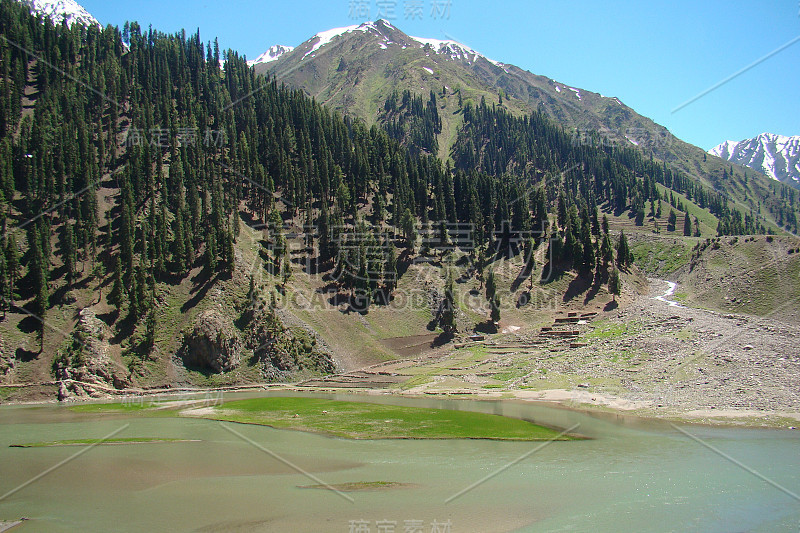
{"points": [[633, 475]]}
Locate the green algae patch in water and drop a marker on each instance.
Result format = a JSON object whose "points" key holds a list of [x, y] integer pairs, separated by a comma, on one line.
{"points": [[87, 442], [362, 420]]}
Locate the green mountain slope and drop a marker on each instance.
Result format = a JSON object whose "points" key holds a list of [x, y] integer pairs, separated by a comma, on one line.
{"points": [[355, 70]]}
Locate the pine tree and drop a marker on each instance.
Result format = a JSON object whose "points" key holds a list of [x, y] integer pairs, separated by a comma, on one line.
{"points": [[326, 250], [614, 284], [12, 260], [117, 293], [495, 308], [5, 284], [606, 252], [179, 244], [672, 220], [588, 259], [141, 293], [530, 259], [229, 257], [448, 318], [286, 271], [211, 250], [624, 254], [39, 273], [687, 225], [69, 253], [491, 286], [390, 269], [409, 231], [480, 262], [639, 219]]}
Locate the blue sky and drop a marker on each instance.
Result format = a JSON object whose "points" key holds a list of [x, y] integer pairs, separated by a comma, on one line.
{"points": [[653, 56]]}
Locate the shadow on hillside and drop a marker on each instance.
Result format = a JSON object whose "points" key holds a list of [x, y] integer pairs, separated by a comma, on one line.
{"points": [[109, 318], [201, 290], [442, 339], [125, 328], [524, 274], [29, 324], [487, 327], [577, 286], [25, 356]]}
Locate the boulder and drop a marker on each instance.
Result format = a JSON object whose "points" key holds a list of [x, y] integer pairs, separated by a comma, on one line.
{"points": [[214, 343]]}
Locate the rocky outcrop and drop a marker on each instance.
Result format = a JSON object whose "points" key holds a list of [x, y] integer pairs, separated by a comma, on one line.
{"points": [[87, 361], [214, 343], [283, 353]]}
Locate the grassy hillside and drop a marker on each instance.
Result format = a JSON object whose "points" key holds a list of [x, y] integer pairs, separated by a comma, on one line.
{"points": [[754, 275]]}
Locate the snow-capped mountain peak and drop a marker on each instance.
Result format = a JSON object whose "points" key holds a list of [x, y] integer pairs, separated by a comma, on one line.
{"points": [[60, 10], [325, 37], [275, 51], [777, 156], [388, 35], [453, 49]]}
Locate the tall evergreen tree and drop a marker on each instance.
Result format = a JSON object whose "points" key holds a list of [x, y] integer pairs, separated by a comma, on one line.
{"points": [[69, 253], [614, 284], [115, 297], [624, 254], [448, 317]]}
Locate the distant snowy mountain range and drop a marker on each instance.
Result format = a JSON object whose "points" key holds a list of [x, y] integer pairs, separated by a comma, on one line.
{"points": [[777, 156], [59, 10], [275, 51]]}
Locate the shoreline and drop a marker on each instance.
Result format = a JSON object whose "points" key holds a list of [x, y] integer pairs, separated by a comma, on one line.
{"points": [[576, 400]]}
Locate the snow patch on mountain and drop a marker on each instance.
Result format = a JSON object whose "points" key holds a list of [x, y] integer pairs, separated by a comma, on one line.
{"points": [[777, 156], [62, 10], [275, 51], [454, 50], [612, 98], [576, 91], [324, 37]]}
